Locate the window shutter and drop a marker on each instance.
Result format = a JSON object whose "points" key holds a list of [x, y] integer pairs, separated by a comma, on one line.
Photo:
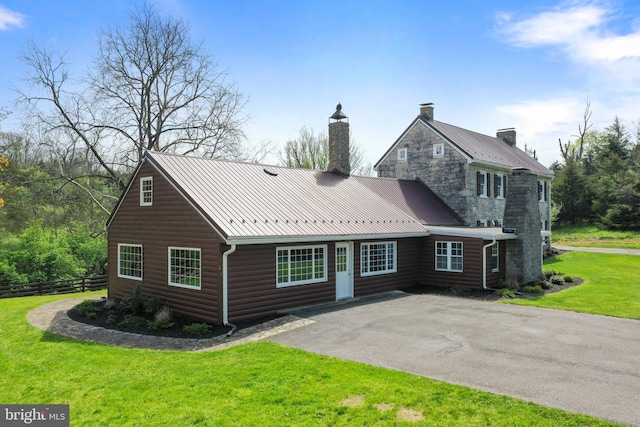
{"points": [[495, 185], [478, 223], [539, 190], [488, 184], [504, 186], [478, 183]]}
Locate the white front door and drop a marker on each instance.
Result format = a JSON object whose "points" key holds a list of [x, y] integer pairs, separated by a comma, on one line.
{"points": [[343, 271]]}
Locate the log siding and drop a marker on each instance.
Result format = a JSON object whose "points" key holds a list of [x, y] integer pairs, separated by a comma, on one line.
{"points": [[169, 221]]}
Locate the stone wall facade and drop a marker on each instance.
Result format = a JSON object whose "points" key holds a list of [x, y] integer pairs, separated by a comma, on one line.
{"points": [[445, 175], [339, 161], [451, 177]]}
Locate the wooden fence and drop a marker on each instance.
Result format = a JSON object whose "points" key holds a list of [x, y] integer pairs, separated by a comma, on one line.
{"points": [[82, 284]]}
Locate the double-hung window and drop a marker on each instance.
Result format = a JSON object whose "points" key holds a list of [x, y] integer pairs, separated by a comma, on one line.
{"points": [[185, 267], [378, 258], [300, 265], [130, 261], [449, 256], [499, 185], [402, 154], [495, 258], [438, 150], [482, 184], [146, 191]]}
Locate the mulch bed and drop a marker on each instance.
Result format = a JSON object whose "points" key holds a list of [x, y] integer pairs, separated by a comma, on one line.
{"points": [[175, 331]]}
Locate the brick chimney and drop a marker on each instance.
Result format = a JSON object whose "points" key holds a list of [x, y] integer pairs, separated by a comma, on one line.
{"points": [[508, 135], [426, 110], [521, 212], [339, 143]]}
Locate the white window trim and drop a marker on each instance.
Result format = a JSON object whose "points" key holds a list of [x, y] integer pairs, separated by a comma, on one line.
{"points": [[495, 247], [120, 245], [181, 285], [324, 277], [402, 154], [142, 193], [394, 269], [440, 152], [500, 194], [483, 193], [449, 257]]}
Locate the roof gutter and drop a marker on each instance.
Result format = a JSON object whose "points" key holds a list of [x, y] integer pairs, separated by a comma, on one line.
{"points": [[225, 289], [484, 262], [320, 238]]}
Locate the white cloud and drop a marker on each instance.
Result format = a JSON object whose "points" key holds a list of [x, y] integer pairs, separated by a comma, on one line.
{"points": [[580, 30], [10, 18]]}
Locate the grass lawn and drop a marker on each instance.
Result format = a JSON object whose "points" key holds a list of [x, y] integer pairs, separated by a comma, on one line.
{"points": [[258, 384], [592, 236], [611, 285]]}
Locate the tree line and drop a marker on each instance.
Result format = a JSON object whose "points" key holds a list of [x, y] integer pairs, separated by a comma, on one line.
{"points": [[598, 179]]}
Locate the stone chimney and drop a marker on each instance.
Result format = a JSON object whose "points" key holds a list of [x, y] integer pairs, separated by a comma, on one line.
{"points": [[521, 212], [339, 143], [508, 135], [426, 110]]}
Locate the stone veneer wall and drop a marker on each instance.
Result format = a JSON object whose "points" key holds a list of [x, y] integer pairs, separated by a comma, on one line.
{"points": [[339, 148], [524, 255], [446, 176]]}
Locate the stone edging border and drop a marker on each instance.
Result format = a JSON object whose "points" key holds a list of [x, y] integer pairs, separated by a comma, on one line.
{"points": [[53, 318]]}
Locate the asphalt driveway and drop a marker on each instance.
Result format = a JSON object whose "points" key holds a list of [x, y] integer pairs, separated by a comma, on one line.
{"points": [[577, 362]]}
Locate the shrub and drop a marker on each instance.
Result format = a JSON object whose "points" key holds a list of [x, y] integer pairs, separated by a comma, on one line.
{"points": [[154, 325], [197, 329], [533, 289], [545, 284], [568, 279], [87, 309], [130, 321], [550, 273], [135, 303], [506, 293], [556, 280], [508, 284], [164, 314], [110, 303], [154, 305], [111, 319]]}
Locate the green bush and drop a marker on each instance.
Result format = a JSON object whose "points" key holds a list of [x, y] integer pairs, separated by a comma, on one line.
{"points": [[506, 293], [556, 280], [533, 289], [88, 309], [112, 319], [197, 329], [154, 305], [134, 303], [131, 321], [154, 325], [545, 284], [568, 279]]}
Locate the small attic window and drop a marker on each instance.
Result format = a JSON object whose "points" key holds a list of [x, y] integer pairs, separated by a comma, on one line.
{"points": [[402, 155], [438, 150], [146, 191]]}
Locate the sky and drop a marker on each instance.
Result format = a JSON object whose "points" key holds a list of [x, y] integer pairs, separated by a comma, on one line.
{"points": [[486, 65]]}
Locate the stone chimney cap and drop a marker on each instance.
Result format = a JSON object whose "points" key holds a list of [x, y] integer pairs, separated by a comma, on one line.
{"points": [[338, 115]]}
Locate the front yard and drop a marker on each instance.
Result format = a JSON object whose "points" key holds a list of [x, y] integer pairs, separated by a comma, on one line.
{"points": [[611, 286], [253, 384]]}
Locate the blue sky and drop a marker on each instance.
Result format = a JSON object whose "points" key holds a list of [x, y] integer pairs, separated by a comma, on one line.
{"points": [[486, 65]]}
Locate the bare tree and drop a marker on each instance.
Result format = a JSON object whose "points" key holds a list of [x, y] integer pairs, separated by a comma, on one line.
{"points": [[575, 151], [309, 151], [150, 88]]}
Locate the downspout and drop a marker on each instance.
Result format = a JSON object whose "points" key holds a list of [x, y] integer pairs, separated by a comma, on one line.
{"points": [[484, 263], [225, 290]]}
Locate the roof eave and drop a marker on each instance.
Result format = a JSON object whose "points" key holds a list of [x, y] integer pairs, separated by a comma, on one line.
{"points": [[262, 240]]}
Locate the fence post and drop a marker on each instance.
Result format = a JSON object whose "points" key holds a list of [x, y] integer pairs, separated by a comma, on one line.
{"points": [[40, 288], [83, 280]]}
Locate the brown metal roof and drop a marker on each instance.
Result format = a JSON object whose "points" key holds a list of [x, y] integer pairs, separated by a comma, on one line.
{"points": [[477, 147], [250, 201], [486, 148]]}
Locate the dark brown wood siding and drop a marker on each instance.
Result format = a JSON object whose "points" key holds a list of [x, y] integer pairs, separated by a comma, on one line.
{"points": [[471, 275], [252, 283], [494, 278], [407, 274], [170, 221]]}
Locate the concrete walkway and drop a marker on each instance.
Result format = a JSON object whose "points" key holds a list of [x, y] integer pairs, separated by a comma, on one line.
{"points": [[599, 250]]}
